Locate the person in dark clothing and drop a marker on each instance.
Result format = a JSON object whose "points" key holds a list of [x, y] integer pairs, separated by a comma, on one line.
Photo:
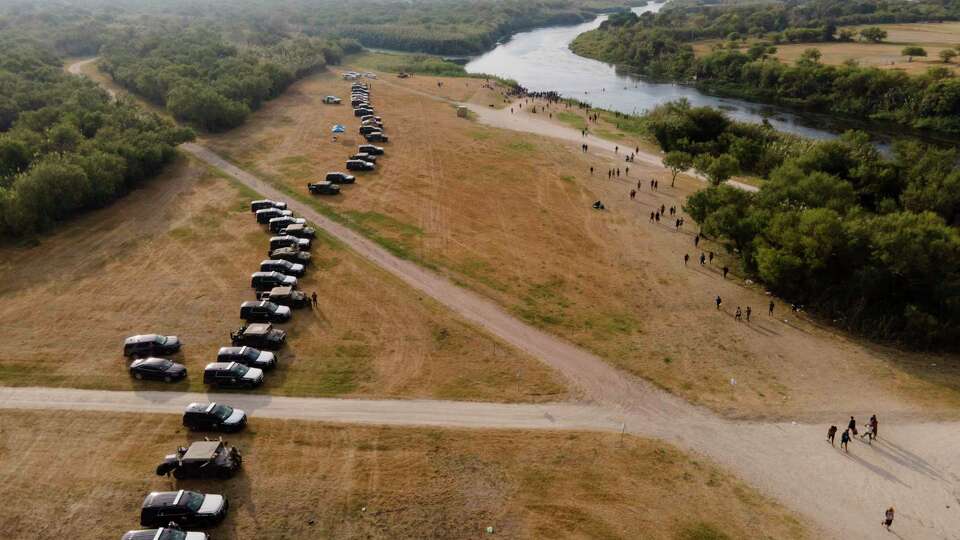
{"points": [[852, 425], [770, 309], [633, 194], [831, 433], [651, 217], [711, 256], [749, 311], [719, 301], [845, 440], [703, 258], [313, 298], [725, 270], [874, 424], [888, 518], [686, 258], [738, 315], [599, 206], [591, 171], [696, 240]]}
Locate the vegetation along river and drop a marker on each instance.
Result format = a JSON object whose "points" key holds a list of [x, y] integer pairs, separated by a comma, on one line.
{"points": [[541, 60]]}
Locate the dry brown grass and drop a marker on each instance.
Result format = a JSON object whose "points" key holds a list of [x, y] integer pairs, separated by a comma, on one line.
{"points": [[175, 256], [508, 214], [933, 37], [84, 475]]}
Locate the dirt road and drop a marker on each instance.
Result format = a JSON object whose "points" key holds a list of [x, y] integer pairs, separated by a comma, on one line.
{"points": [[913, 467]]}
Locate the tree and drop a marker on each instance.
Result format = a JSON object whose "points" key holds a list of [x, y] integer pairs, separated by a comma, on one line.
{"points": [[846, 34], [809, 57], [947, 55], [912, 51], [677, 162], [717, 169], [873, 34]]}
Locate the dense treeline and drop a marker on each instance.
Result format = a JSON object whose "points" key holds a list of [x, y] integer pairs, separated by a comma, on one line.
{"points": [[64, 145], [655, 46], [205, 81], [870, 242]]}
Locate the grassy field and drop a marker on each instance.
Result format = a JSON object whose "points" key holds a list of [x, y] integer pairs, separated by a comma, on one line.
{"points": [[307, 480], [416, 64], [508, 214], [933, 37], [175, 256]]}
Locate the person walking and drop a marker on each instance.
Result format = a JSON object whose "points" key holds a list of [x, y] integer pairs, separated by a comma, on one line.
{"points": [[770, 309], [633, 194], [845, 441], [868, 434], [591, 171], [831, 433], [651, 217], [874, 424], [657, 216], [888, 518], [725, 270], [749, 311], [663, 209], [711, 256], [313, 298], [738, 315], [696, 240], [616, 149], [627, 171], [702, 259], [639, 184], [719, 301], [852, 425], [686, 258]]}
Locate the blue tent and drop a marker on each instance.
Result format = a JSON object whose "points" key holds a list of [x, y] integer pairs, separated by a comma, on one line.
{"points": [[338, 129]]}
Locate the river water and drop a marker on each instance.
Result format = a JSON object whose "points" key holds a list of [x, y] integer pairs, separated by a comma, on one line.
{"points": [[541, 60]]}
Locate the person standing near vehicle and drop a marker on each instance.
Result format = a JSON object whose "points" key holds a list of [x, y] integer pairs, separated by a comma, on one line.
{"points": [[313, 298]]}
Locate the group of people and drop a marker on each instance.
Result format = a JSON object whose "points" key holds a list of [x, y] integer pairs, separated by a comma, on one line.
{"points": [[869, 434]]}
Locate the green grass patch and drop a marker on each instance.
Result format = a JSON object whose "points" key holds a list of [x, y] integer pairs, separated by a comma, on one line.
{"points": [[568, 178], [702, 531], [479, 271], [480, 135], [571, 119], [419, 64], [521, 146]]}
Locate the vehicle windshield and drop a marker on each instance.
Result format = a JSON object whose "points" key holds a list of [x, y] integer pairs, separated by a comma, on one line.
{"points": [[239, 369], [250, 354], [222, 411], [270, 305], [193, 500], [160, 339], [173, 534]]}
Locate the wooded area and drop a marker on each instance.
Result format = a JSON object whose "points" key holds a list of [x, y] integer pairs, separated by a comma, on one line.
{"points": [[869, 242]]}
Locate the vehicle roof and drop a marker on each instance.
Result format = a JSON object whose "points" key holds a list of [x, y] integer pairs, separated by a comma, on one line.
{"points": [[219, 366], [199, 406], [162, 498], [257, 328], [281, 290], [295, 227], [253, 303], [201, 450], [150, 360], [140, 338], [231, 350], [271, 209]]}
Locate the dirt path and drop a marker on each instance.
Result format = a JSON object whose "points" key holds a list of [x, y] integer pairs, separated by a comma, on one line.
{"points": [[913, 467]]}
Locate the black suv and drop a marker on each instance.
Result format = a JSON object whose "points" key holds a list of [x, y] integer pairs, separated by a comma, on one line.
{"points": [[185, 508], [277, 242], [267, 203], [213, 417], [294, 255], [150, 345], [285, 296], [340, 178], [259, 335], [284, 267], [298, 230], [364, 157], [323, 188], [370, 149], [264, 311], [376, 136], [158, 369], [232, 375], [247, 356], [164, 533], [278, 223], [203, 459], [265, 215], [360, 165]]}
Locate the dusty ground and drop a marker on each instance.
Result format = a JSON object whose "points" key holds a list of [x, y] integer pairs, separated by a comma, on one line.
{"points": [[933, 37], [508, 214], [308, 480], [175, 256]]}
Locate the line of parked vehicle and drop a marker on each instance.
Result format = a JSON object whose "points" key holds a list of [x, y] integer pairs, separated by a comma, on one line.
{"points": [[365, 159], [241, 365]]}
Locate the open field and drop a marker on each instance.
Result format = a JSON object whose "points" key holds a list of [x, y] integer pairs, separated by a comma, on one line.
{"points": [[309, 480], [175, 257], [933, 37], [508, 214]]}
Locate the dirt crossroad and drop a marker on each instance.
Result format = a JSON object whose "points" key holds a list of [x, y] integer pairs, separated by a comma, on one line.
{"points": [[913, 466]]}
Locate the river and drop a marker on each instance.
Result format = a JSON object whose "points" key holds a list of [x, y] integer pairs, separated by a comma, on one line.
{"points": [[541, 60]]}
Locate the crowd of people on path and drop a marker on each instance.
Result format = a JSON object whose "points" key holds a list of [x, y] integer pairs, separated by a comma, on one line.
{"points": [[870, 433]]}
